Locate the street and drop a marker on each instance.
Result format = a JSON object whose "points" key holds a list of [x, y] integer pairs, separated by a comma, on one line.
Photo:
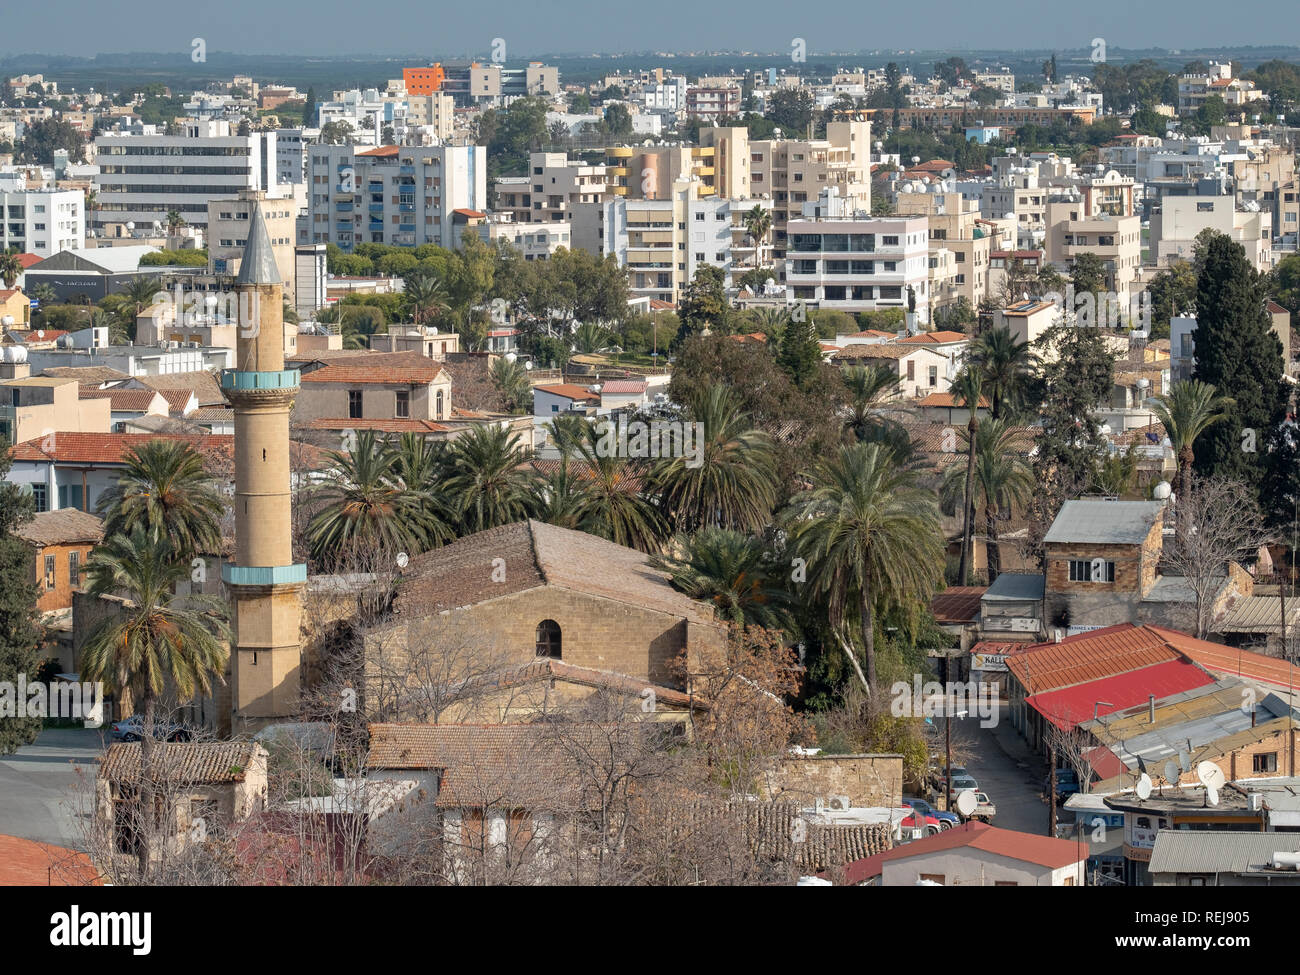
{"points": [[44, 786], [1006, 770]]}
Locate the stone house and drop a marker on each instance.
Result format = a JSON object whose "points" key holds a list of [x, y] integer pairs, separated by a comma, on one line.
{"points": [[61, 541], [202, 786], [372, 386]]}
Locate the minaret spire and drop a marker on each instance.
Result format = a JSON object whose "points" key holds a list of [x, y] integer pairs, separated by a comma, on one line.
{"points": [[265, 583]]}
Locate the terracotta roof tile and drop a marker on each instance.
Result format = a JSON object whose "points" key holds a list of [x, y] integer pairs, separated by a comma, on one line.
{"points": [[377, 367], [187, 762], [62, 527], [106, 448], [122, 400], [27, 863], [1089, 656], [380, 426], [1045, 851], [569, 391], [957, 604]]}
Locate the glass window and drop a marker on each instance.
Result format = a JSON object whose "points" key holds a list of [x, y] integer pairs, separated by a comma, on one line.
{"points": [[354, 404]]}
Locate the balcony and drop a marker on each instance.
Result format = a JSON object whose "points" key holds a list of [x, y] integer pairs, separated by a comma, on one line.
{"points": [[376, 208], [263, 575], [343, 207], [406, 207], [237, 380], [406, 170]]}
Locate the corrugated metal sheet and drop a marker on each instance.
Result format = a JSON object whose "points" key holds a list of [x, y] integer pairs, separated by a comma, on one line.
{"points": [[1217, 851], [1104, 522], [1089, 656], [1071, 706], [1258, 614]]}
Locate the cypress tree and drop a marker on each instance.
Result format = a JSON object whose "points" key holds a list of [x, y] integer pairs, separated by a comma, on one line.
{"points": [[1237, 351], [801, 351], [19, 633]]}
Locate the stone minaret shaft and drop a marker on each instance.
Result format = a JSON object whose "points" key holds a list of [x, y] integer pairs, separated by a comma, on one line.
{"points": [[265, 584]]}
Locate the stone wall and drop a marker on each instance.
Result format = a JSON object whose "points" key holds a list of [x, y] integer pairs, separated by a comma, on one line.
{"points": [[868, 780]]}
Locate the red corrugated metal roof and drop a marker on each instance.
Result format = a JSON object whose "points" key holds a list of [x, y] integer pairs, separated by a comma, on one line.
{"points": [[1069, 706], [1224, 660], [1046, 851], [1089, 656], [957, 604]]}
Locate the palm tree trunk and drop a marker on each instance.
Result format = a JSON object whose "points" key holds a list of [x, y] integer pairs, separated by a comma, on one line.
{"points": [[968, 502], [869, 634], [146, 785], [1185, 460], [853, 659], [991, 546]]}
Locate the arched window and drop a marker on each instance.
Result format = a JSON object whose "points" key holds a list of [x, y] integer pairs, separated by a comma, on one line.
{"points": [[548, 639], [440, 415]]}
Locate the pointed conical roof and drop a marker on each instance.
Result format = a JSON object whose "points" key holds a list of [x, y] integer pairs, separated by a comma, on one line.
{"points": [[258, 263]]}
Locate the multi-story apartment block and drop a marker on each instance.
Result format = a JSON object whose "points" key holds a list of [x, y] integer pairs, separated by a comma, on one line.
{"points": [[555, 184], [291, 150], [663, 241], [435, 111], [669, 95], [712, 103], [142, 177], [1116, 240], [839, 256], [1267, 176], [401, 195], [788, 173], [1001, 80], [42, 222], [472, 83], [534, 241], [650, 172], [956, 228], [1177, 220]]}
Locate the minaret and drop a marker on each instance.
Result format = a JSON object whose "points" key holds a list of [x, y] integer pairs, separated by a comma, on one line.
{"points": [[265, 584]]}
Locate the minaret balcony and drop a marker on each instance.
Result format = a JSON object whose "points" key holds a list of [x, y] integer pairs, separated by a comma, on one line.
{"points": [[263, 575], [235, 379]]}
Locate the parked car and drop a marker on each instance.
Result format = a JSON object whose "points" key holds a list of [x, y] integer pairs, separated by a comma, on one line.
{"points": [[941, 778], [1067, 784], [984, 810], [920, 820], [961, 783], [132, 729], [946, 820]]}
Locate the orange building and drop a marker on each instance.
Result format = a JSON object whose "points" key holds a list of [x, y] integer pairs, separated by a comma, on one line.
{"points": [[61, 541], [423, 81]]}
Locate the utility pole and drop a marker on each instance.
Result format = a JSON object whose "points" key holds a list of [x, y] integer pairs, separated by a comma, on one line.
{"points": [[1051, 794], [947, 734]]}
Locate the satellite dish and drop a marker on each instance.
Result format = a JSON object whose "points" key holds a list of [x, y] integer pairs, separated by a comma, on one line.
{"points": [[1172, 772], [528, 364], [1210, 776], [966, 802], [1144, 787], [1211, 796], [1185, 761], [402, 560]]}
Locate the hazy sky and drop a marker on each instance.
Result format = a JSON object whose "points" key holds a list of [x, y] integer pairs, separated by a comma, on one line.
{"points": [[436, 27]]}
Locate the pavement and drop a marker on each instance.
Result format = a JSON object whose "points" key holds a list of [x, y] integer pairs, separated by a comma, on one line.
{"points": [[46, 787], [1006, 769]]}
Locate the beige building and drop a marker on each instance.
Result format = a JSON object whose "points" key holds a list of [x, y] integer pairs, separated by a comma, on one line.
{"points": [[554, 185], [1268, 177], [957, 228], [34, 406], [1178, 219], [405, 385], [1116, 240], [424, 339], [1027, 320], [436, 110], [228, 227]]}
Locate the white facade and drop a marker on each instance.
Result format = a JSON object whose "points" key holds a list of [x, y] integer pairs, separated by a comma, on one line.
{"points": [[142, 177], [42, 222], [399, 195]]}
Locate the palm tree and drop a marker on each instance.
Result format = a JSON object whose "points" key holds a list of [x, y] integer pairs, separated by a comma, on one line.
{"points": [[174, 221], [1005, 364], [425, 295], [10, 268], [1004, 481], [590, 337], [511, 381], [44, 294], [967, 390], [141, 291], [420, 465], [728, 480], [733, 571], [165, 491], [365, 506], [1187, 411], [869, 387], [758, 222], [869, 537], [486, 480], [154, 639], [607, 502]]}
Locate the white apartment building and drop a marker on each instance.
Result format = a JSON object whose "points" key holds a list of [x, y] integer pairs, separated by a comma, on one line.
{"points": [[142, 177], [400, 195], [839, 256], [554, 186], [536, 242], [1117, 240], [662, 242], [228, 234], [1178, 219], [291, 149], [42, 222], [668, 95]]}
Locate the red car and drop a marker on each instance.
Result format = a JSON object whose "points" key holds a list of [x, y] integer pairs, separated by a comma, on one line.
{"points": [[917, 820]]}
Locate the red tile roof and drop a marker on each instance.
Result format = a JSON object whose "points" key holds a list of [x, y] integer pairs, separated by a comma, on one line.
{"points": [[382, 151], [381, 426], [389, 368], [1045, 851], [1070, 706], [624, 386], [121, 400], [569, 391], [947, 400], [957, 604], [177, 399], [936, 338], [27, 260], [27, 863], [106, 448], [466, 212]]}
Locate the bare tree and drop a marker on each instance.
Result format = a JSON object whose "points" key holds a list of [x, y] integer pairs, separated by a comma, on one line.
{"points": [[1226, 527]]}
